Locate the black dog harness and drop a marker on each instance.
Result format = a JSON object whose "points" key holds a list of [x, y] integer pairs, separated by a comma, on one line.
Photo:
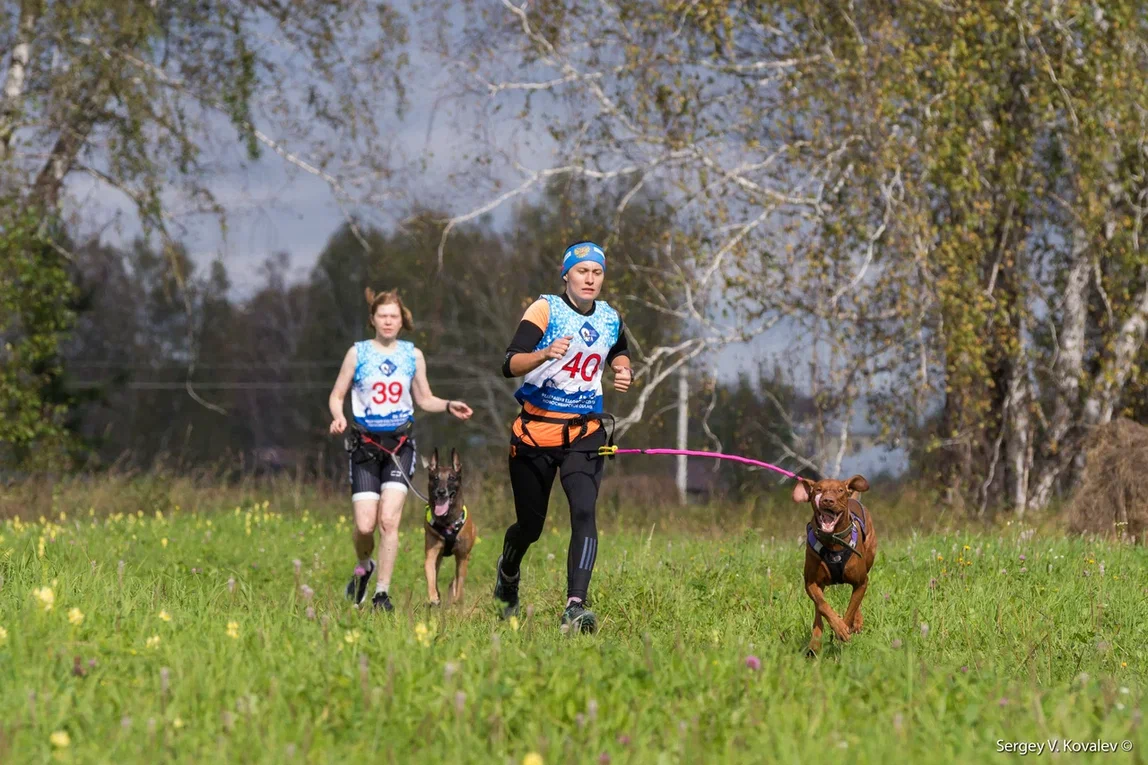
{"points": [[835, 560], [448, 534]]}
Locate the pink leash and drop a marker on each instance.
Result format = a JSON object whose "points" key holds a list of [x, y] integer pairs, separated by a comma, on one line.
{"points": [[609, 451]]}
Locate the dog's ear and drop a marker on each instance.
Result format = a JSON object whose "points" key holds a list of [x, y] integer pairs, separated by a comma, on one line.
{"points": [[455, 461], [433, 460], [370, 293], [802, 490], [858, 483]]}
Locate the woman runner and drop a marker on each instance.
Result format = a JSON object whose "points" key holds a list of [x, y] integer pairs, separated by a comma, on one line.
{"points": [[561, 347], [384, 375]]}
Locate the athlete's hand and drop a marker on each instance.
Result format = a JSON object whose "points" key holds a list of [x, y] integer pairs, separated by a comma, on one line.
{"points": [[558, 348], [622, 378], [459, 409], [338, 425]]}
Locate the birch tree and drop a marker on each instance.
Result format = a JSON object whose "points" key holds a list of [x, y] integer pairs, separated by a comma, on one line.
{"points": [[938, 206], [142, 98]]}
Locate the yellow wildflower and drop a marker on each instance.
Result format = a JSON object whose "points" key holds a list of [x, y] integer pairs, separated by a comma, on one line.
{"points": [[233, 630], [164, 616], [60, 739], [163, 542], [514, 623], [46, 597], [351, 637], [3, 636], [153, 641], [75, 617], [422, 634], [534, 758], [177, 723]]}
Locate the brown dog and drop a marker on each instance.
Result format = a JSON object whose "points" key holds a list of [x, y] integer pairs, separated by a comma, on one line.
{"points": [[841, 545], [449, 529]]}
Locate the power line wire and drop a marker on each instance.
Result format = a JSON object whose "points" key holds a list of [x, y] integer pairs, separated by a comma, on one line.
{"points": [[286, 386]]}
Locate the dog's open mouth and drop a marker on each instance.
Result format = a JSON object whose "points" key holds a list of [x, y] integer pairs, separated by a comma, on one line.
{"points": [[440, 508], [827, 519]]}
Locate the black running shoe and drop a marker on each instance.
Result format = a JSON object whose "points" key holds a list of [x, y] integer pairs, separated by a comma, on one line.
{"points": [[506, 590], [357, 587], [382, 602], [577, 618]]}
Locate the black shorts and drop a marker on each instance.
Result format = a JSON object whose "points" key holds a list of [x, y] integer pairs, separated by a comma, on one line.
{"points": [[369, 476]]}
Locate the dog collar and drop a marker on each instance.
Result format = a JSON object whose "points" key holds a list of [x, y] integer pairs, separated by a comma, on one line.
{"points": [[447, 531], [848, 537]]}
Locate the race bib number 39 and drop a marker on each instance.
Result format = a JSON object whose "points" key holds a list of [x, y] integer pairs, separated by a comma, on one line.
{"points": [[387, 393]]}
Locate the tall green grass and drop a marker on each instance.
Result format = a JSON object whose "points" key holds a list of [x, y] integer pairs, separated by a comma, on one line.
{"points": [[971, 636]]}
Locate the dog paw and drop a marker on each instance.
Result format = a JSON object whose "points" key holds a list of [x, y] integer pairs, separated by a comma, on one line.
{"points": [[434, 603], [842, 634], [811, 651]]}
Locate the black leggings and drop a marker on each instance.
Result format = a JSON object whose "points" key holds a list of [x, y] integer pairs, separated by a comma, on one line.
{"points": [[532, 474]]}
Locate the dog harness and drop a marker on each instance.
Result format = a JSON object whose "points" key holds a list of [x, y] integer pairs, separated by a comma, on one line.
{"points": [[835, 560], [448, 534]]}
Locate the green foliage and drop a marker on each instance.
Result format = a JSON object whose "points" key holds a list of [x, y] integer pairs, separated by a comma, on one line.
{"points": [[36, 295]]}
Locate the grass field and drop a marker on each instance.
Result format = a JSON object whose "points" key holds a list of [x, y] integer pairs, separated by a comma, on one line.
{"points": [[223, 636]]}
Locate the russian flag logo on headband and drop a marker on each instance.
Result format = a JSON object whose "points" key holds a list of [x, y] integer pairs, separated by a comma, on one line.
{"points": [[583, 252]]}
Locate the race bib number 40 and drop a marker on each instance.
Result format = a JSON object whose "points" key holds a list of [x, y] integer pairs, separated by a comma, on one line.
{"points": [[584, 369]]}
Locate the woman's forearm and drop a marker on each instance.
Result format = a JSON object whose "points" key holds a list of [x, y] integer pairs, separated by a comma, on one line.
{"points": [[525, 363], [433, 404]]}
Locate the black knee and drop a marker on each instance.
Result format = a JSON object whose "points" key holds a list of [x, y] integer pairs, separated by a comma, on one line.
{"points": [[523, 535]]}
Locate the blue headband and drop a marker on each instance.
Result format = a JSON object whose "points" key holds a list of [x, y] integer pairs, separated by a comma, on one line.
{"points": [[583, 252]]}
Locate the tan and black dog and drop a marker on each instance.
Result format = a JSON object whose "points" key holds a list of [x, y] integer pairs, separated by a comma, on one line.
{"points": [[841, 545], [449, 528]]}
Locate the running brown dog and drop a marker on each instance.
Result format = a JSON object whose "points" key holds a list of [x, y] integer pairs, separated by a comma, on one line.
{"points": [[841, 545], [449, 529]]}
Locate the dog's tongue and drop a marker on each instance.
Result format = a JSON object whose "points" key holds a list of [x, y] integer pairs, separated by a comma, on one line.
{"points": [[440, 508]]}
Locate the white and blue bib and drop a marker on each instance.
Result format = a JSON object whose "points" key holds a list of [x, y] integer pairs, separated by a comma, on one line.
{"points": [[381, 389], [573, 383]]}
